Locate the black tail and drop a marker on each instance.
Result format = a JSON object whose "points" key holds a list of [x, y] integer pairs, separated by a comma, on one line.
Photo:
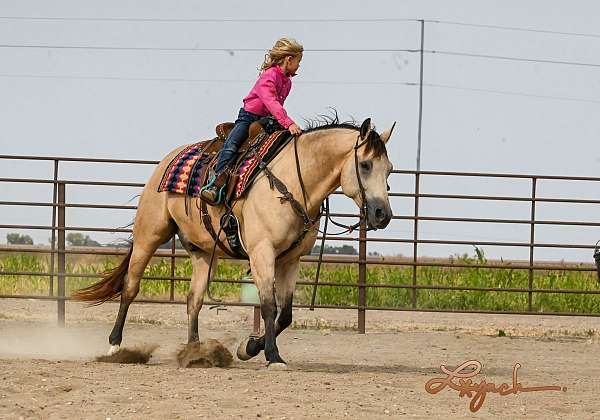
{"points": [[109, 287]]}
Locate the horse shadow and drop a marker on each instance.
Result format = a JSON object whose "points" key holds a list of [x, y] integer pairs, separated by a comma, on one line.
{"points": [[344, 368], [341, 368]]}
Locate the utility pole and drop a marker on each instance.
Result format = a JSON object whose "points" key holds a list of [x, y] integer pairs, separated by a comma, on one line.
{"points": [[420, 96], [417, 175]]}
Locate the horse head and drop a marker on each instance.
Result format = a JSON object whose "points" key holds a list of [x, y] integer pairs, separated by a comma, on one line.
{"points": [[365, 173]]}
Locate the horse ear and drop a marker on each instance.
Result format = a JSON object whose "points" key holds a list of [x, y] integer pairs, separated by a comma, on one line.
{"points": [[365, 128], [385, 136]]}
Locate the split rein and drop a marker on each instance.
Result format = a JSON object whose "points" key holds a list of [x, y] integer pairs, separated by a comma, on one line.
{"points": [[347, 228], [308, 222]]}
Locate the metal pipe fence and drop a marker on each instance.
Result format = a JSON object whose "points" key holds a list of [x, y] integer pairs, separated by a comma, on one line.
{"points": [[59, 226]]}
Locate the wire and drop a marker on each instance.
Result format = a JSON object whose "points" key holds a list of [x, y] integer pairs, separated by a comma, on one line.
{"points": [[502, 57], [141, 79], [308, 82], [514, 28], [364, 50], [206, 20], [513, 93], [228, 50], [299, 20], [175, 79]]}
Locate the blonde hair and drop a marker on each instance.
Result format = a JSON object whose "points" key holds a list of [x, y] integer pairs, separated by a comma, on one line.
{"points": [[283, 47]]}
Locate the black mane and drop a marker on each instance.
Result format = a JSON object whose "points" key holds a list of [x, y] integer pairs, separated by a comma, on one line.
{"points": [[325, 122]]}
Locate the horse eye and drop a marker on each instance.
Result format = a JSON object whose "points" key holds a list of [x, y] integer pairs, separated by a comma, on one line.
{"points": [[365, 166]]}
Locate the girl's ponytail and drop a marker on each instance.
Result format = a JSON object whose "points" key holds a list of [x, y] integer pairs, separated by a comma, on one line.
{"points": [[283, 47]]}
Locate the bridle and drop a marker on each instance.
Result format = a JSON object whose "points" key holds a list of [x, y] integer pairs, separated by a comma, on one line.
{"points": [[325, 210], [347, 228], [363, 196]]}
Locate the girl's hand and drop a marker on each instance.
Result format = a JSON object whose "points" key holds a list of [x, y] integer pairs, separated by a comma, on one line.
{"points": [[295, 130]]}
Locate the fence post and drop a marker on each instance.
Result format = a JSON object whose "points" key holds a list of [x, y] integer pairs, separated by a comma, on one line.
{"points": [[531, 245], [61, 254], [362, 276], [415, 240], [53, 234]]}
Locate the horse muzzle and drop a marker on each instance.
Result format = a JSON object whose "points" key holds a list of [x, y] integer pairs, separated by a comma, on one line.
{"points": [[379, 214]]}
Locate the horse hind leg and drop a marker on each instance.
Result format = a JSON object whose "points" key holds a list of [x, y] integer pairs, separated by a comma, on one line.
{"points": [[140, 257], [148, 235]]}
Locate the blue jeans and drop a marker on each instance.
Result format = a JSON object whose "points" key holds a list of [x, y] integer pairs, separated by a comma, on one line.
{"points": [[236, 137]]}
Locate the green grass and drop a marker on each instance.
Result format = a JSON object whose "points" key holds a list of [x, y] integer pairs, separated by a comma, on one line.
{"points": [[506, 277]]}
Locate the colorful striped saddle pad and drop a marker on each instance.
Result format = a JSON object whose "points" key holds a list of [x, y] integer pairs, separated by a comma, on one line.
{"points": [[182, 176], [186, 172]]}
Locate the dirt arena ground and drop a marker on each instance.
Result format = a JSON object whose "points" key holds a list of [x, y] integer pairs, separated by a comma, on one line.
{"points": [[48, 372]]}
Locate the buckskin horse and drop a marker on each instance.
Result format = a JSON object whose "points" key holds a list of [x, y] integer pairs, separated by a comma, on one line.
{"points": [[319, 161]]}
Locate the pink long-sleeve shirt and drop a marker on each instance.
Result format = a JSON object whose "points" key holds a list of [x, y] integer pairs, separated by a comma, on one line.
{"points": [[268, 95]]}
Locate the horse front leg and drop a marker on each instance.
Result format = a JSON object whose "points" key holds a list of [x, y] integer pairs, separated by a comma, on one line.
{"points": [[200, 268], [262, 263], [286, 275]]}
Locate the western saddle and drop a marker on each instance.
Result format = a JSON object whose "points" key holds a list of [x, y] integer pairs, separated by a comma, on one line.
{"points": [[256, 130]]}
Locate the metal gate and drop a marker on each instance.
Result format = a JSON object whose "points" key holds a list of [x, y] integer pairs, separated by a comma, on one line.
{"points": [[413, 196]]}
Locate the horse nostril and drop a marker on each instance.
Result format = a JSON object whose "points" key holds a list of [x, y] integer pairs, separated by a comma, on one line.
{"points": [[379, 214]]}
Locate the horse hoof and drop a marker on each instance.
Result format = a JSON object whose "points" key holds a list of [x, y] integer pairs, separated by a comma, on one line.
{"points": [[112, 350], [241, 351], [277, 366]]}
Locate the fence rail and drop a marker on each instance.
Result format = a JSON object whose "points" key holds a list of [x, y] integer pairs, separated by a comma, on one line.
{"points": [[59, 226]]}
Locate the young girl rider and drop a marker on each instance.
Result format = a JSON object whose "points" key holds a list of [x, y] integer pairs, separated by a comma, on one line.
{"points": [[266, 98]]}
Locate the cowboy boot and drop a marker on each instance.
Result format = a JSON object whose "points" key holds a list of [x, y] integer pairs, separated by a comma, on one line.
{"points": [[212, 192]]}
